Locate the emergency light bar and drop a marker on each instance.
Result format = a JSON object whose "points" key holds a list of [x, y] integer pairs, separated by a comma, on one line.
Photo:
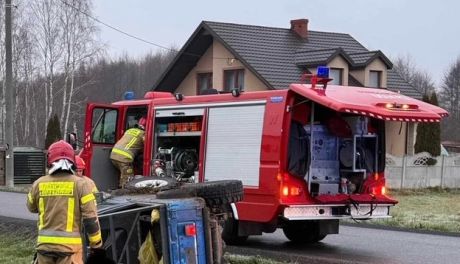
{"points": [[395, 106], [128, 95], [322, 72]]}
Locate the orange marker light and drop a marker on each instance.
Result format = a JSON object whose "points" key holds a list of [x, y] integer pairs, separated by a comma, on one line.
{"points": [[384, 190]]}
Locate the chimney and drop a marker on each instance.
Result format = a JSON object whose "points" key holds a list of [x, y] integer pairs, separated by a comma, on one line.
{"points": [[300, 27]]}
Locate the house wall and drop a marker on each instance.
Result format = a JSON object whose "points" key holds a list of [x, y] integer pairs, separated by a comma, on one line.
{"points": [[217, 59], [395, 133], [188, 85], [339, 62]]}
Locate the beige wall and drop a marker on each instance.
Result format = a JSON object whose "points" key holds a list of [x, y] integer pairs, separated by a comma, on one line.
{"points": [[217, 59], [339, 62], [188, 85], [395, 140], [362, 75]]}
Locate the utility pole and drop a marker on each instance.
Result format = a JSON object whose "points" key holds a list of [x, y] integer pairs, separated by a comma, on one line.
{"points": [[9, 99]]}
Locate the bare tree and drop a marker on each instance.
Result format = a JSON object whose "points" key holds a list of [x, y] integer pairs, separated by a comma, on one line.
{"points": [[48, 37], [409, 71], [79, 46], [450, 99]]}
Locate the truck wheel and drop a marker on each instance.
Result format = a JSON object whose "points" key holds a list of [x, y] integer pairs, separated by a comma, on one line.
{"points": [[217, 193], [230, 233], [174, 194], [303, 232], [152, 183]]}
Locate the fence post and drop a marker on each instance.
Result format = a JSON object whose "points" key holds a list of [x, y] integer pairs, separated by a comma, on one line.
{"points": [[403, 175], [442, 171]]}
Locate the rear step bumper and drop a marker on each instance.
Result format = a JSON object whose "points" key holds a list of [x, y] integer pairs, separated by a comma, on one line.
{"points": [[362, 211]]}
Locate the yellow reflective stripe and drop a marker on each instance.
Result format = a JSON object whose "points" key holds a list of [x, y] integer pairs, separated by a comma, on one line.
{"points": [[133, 132], [31, 200], [41, 212], [87, 198], [70, 214], [56, 188], [123, 153], [131, 143], [59, 240], [95, 238]]}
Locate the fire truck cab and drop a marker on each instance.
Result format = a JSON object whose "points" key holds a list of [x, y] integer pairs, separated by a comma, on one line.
{"points": [[308, 155]]}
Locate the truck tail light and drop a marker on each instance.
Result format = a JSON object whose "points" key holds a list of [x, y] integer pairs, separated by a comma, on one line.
{"points": [[379, 190], [290, 190], [190, 230]]}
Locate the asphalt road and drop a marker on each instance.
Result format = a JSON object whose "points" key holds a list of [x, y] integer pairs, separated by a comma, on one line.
{"points": [[359, 245], [14, 205], [352, 245]]}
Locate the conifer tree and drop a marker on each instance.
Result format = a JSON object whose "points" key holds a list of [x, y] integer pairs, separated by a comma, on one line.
{"points": [[53, 131]]}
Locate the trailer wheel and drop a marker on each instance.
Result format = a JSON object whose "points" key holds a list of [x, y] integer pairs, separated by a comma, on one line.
{"points": [[217, 193], [230, 233], [152, 183], [303, 232]]}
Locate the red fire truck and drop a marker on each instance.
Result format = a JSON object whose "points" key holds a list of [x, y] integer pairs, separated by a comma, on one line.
{"points": [[308, 155]]}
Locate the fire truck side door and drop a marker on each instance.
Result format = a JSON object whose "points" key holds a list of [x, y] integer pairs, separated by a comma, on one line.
{"points": [[103, 124]]}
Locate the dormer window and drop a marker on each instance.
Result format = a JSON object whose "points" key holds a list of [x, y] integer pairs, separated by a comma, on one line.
{"points": [[375, 79], [337, 76]]}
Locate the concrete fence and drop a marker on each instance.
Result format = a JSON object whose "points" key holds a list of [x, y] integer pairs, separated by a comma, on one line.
{"points": [[414, 171]]}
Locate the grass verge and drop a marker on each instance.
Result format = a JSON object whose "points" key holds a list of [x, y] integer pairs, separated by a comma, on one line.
{"points": [[431, 209], [16, 244]]}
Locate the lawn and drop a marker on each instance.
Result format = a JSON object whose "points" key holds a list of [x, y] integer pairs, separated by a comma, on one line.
{"points": [[432, 209], [16, 244]]}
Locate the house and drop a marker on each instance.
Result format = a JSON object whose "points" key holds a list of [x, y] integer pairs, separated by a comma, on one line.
{"points": [[224, 56]]}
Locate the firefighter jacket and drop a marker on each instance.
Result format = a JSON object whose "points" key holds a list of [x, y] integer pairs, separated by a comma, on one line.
{"points": [[64, 201], [91, 184], [129, 145]]}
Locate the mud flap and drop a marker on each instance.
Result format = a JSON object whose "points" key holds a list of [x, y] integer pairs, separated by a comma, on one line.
{"points": [[327, 227]]}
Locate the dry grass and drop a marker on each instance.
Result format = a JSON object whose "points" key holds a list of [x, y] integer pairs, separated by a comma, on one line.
{"points": [[429, 209]]}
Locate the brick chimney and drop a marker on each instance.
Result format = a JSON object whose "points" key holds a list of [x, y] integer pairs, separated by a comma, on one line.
{"points": [[300, 27]]}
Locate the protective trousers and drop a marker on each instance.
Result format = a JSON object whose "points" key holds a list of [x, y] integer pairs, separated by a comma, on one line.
{"points": [[126, 171], [59, 258]]}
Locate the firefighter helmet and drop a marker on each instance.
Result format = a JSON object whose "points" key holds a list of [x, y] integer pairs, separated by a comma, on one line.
{"points": [[80, 163], [142, 122], [60, 150]]}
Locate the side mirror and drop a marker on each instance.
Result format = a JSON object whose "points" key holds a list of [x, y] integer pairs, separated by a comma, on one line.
{"points": [[71, 138]]}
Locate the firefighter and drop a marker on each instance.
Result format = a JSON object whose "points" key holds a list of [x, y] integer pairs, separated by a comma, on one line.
{"points": [[81, 166], [125, 150], [63, 201]]}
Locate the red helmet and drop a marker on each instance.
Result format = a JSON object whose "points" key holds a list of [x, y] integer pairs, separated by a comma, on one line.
{"points": [[60, 150], [142, 122], [81, 165]]}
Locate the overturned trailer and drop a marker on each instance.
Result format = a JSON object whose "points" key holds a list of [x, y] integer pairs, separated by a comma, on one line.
{"points": [[168, 224]]}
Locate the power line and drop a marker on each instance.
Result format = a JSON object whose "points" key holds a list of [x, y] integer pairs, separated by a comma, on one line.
{"points": [[121, 31], [131, 35]]}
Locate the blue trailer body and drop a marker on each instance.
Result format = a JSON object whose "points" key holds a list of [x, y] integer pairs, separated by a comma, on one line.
{"points": [[125, 222], [184, 248]]}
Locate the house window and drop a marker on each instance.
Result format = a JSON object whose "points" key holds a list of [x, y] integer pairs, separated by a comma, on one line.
{"points": [[336, 75], [203, 82], [234, 79], [375, 79]]}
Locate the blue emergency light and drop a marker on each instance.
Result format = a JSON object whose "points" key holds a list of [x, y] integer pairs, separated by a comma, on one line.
{"points": [[128, 95], [322, 72]]}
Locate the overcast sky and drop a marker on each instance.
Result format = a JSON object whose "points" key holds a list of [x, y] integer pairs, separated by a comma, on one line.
{"points": [[429, 31]]}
